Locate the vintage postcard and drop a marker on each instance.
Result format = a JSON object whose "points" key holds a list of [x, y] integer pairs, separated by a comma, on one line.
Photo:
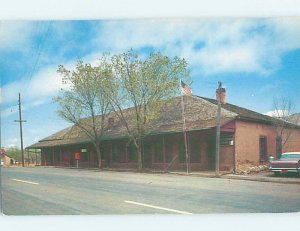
{"points": [[150, 116]]}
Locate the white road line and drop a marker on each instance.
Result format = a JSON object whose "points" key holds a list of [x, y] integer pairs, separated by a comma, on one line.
{"points": [[157, 207], [24, 181]]}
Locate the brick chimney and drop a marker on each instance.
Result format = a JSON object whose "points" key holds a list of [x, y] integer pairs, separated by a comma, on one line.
{"points": [[223, 95]]}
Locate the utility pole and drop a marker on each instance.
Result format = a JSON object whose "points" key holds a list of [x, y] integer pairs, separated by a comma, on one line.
{"points": [[185, 139], [21, 133], [218, 130]]}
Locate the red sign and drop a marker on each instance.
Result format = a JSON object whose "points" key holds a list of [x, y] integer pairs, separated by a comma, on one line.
{"points": [[77, 155]]}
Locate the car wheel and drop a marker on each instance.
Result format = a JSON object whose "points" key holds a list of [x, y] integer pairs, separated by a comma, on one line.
{"points": [[277, 173]]}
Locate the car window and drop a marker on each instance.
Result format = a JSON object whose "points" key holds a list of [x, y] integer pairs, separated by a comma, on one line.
{"points": [[290, 156]]}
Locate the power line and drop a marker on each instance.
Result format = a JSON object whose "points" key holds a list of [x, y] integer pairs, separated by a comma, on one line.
{"points": [[39, 48], [41, 27]]}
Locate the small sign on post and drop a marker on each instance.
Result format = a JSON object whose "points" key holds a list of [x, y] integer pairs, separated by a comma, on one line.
{"points": [[77, 158]]}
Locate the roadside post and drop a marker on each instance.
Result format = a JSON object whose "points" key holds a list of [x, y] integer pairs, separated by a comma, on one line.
{"points": [[77, 158]]}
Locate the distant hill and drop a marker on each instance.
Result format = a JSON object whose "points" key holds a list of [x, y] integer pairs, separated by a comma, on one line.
{"points": [[295, 118]]}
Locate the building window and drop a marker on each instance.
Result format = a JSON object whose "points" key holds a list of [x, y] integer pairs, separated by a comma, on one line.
{"points": [[263, 148], [226, 139]]}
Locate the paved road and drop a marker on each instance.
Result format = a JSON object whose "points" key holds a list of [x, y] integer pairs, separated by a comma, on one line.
{"points": [[42, 191]]}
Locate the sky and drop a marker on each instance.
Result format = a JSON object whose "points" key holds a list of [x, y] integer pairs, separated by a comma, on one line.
{"points": [[256, 60]]}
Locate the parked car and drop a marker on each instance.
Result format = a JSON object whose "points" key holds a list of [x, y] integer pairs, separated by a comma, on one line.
{"points": [[288, 162]]}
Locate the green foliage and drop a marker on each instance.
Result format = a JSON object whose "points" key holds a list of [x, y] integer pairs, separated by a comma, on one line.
{"points": [[143, 84], [14, 153], [83, 98], [116, 83]]}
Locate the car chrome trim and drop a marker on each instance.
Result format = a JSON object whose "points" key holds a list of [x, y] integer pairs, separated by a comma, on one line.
{"points": [[285, 168]]}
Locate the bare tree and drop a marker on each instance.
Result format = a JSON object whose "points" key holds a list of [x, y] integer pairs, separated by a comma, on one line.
{"points": [[282, 112]]}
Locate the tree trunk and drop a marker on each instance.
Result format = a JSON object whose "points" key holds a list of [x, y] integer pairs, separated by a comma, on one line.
{"points": [[98, 152], [138, 146], [278, 146]]}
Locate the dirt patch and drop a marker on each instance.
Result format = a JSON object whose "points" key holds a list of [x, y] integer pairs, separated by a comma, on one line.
{"points": [[249, 168]]}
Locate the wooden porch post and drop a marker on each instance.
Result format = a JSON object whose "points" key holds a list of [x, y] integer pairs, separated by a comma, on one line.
{"points": [[46, 157], [53, 155], [189, 151], [42, 158], [35, 150], [234, 155], [110, 153], [126, 153], [27, 157], [60, 156], [88, 156], [152, 154], [70, 155]]}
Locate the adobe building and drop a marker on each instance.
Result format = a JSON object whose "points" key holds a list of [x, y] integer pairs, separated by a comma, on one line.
{"points": [[7, 160], [246, 137]]}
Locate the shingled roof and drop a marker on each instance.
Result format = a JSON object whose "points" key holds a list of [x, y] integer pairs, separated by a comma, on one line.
{"points": [[199, 114], [246, 114]]}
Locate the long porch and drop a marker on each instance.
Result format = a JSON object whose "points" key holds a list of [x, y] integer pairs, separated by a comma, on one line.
{"points": [[164, 152]]}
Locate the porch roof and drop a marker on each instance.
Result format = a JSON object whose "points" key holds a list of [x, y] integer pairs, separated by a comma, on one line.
{"points": [[199, 114]]}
